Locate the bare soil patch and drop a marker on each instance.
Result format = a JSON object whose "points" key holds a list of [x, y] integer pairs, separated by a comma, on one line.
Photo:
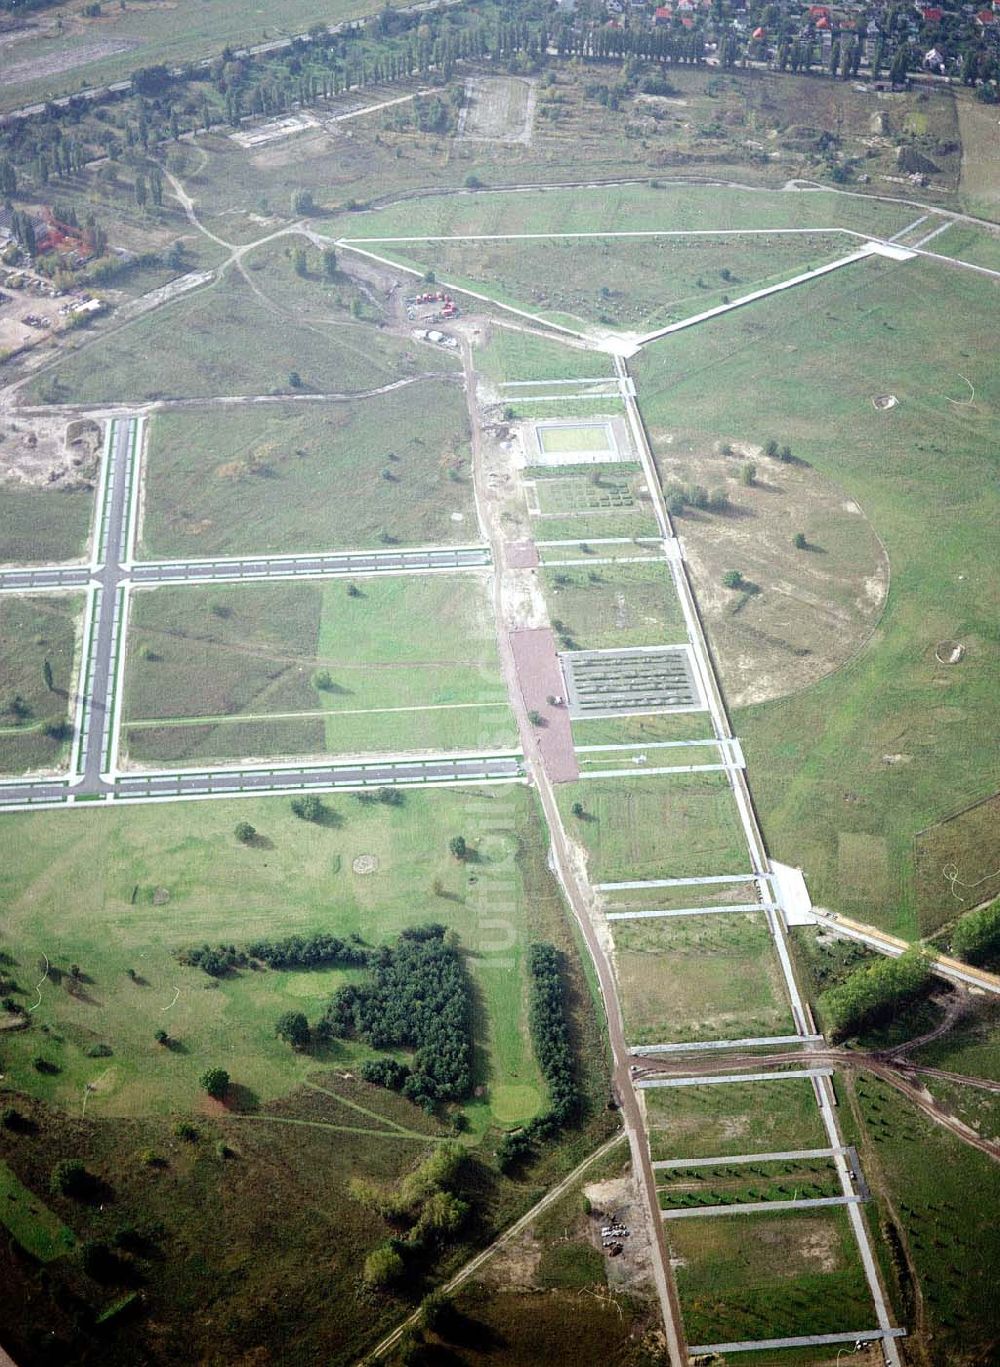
{"points": [[49, 453], [801, 612], [539, 677], [498, 109]]}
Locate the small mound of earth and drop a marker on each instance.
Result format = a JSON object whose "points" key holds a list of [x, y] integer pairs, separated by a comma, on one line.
{"points": [[949, 652], [884, 401], [458, 517], [364, 863], [161, 896]]}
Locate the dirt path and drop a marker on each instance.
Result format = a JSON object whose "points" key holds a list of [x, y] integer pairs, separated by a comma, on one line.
{"points": [[572, 881]]}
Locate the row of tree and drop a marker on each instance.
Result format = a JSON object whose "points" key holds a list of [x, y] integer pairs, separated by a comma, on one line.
{"points": [[418, 997], [550, 1037], [294, 951], [873, 995], [976, 937]]}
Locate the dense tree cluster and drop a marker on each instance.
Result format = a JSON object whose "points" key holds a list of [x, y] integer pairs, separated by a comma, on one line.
{"points": [[873, 994], [550, 1037], [417, 997], [294, 951], [425, 1208], [976, 937]]}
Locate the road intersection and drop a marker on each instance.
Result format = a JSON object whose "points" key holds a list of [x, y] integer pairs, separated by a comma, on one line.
{"points": [[108, 580]]}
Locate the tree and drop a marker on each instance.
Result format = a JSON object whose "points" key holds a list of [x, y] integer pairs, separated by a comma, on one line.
{"points": [[307, 807], [976, 937], [458, 847], [771, 449], [323, 680], [732, 579], [215, 1082], [244, 832], [577, 810], [294, 379], [799, 541], [748, 474], [875, 992], [302, 202], [329, 263], [299, 263], [785, 455], [140, 191], [162, 1037], [47, 674], [293, 1028], [536, 718]]}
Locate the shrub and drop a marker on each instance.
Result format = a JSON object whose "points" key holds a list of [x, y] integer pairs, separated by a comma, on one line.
{"points": [[732, 579], [293, 1028], [307, 807], [244, 832], [215, 1082], [69, 1177], [799, 541], [383, 1267]]}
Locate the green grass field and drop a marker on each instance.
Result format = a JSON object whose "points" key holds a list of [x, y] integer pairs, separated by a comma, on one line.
{"points": [[40, 526], [521, 356], [941, 1195], [739, 1183], [723, 1120], [676, 898], [255, 651], [633, 283], [578, 437], [965, 243], [150, 881], [625, 207], [699, 978], [35, 629], [30, 1222], [311, 477], [208, 344], [614, 605], [769, 1276], [629, 730], [663, 826], [848, 770]]}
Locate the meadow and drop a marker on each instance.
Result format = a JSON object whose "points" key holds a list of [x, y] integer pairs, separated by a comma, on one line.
{"points": [[614, 605], [743, 1183], [636, 284], [35, 629], [699, 978], [624, 208], [722, 1120], [208, 344], [937, 1196], [769, 1276], [661, 826], [310, 477], [845, 772], [44, 527], [640, 730], [150, 881], [349, 666]]}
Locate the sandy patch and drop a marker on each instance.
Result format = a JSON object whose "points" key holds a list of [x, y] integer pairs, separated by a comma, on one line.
{"points": [[49, 453]]}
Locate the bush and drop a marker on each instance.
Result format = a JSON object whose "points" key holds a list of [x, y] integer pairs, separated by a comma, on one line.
{"points": [[215, 1081], [799, 541], [383, 1267], [244, 832], [308, 807], [732, 579], [69, 1177]]}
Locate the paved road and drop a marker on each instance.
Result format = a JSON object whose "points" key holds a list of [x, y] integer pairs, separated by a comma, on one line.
{"points": [[108, 579]]}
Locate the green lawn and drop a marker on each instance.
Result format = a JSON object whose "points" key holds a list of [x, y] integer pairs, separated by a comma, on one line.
{"points": [[626, 207], [699, 978], [311, 477], [517, 356], [728, 1119], [209, 343], [626, 730], [846, 772], [39, 526], [254, 651], [943, 1196], [663, 826], [633, 283], [967, 243], [151, 880], [29, 1221], [35, 629], [769, 1276], [614, 605]]}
